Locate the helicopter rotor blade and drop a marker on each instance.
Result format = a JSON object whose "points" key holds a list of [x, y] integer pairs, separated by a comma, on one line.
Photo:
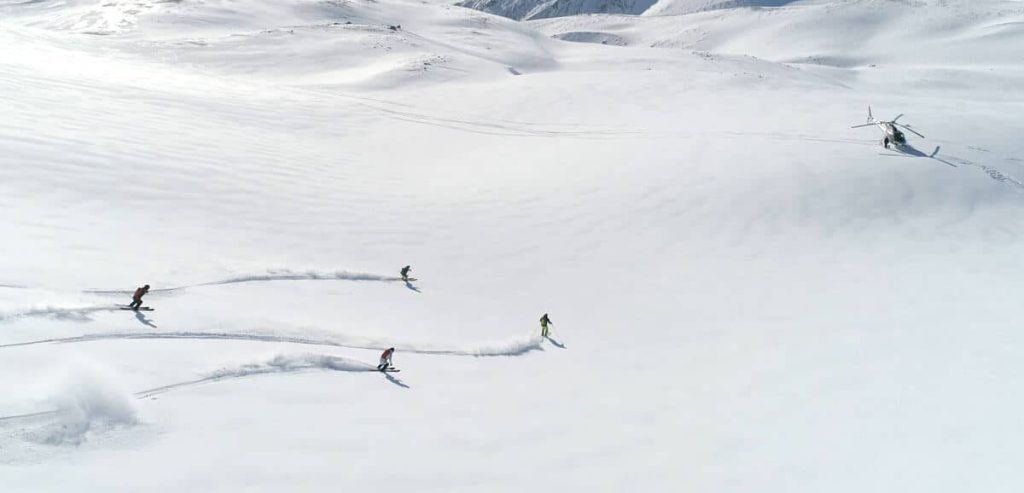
{"points": [[863, 125], [907, 127], [897, 118]]}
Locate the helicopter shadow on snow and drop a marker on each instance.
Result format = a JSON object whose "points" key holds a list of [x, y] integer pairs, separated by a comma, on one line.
{"points": [[907, 150]]}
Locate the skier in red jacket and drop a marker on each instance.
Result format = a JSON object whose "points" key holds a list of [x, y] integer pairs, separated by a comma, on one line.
{"points": [[385, 359], [137, 297]]}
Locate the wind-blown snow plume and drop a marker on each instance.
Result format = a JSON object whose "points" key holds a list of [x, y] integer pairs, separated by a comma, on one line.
{"points": [[89, 400]]}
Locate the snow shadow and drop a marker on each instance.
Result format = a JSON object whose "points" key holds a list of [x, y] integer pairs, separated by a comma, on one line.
{"points": [[915, 152], [395, 380], [143, 320], [409, 285], [555, 342], [907, 150]]}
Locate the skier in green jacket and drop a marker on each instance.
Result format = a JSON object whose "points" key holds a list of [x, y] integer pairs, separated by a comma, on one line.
{"points": [[544, 322]]}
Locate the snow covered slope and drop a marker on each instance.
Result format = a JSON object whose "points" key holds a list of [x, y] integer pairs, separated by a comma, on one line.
{"points": [[676, 7], [961, 46], [542, 9], [534, 9], [747, 294], [309, 42]]}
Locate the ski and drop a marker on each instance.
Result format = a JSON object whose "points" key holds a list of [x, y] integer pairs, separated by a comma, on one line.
{"points": [[139, 309]]}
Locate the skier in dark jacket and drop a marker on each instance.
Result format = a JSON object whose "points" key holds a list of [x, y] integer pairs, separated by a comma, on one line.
{"points": [[405, 273], [544, 322], [137, 297]]}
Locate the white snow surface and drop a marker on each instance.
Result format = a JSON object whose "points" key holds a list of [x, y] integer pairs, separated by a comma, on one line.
{"points": [[542, 9], [534, 9], [747, 294]]}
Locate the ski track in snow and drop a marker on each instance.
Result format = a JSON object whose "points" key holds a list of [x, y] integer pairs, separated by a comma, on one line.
{"points": [[278, 364], [909, 152], [283, 275], [507, 128], [511, 347], [992, 172], [81, 313], [274, 275]]}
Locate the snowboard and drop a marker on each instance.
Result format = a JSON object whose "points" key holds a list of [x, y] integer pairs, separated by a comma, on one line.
{"points": [[140, 309], [411, 279], [390, 369]]}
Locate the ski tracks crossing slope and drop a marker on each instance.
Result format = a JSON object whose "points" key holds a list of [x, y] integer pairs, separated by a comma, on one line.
{"points": [[281, 363], [510, 347], [82, 312]]}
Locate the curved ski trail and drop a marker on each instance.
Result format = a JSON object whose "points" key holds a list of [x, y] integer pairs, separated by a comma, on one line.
{"points": [[81, 313], [511, 347], [278, 364], [278, 275]]}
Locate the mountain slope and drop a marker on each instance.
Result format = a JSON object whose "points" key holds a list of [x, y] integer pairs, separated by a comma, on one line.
{"points": [[747, 294]]}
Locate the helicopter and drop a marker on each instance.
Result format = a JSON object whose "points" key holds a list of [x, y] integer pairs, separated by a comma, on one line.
{"points": [[892, 135]]}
